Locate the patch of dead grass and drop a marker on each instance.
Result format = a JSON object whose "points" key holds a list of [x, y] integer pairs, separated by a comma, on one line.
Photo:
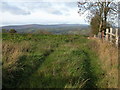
{"points": [[108, 55], [12, 51]]}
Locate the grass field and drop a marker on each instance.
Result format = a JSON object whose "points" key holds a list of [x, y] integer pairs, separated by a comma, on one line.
{"points": [[53, 61]]}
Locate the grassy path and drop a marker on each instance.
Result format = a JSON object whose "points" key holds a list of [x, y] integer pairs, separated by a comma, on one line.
{"points": [[93, 71], [27, 68], [71, 65], [53, 61]]}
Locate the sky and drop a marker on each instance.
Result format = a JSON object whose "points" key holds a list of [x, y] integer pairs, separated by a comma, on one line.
{"points": [[20, 12]]}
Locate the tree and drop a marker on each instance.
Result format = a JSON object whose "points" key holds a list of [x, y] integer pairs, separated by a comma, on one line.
{"points": [[102, 8], [4, 31], [95, 22], [12, 31]]}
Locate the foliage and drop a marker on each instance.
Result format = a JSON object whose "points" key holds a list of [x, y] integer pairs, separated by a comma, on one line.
{"points": [[95, 24], [49, 61], [105, 9], [108, 55], [4, 31], [12, 31]]}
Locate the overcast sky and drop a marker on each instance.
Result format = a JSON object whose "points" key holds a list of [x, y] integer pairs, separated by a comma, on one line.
{"points": [[39, 12]]}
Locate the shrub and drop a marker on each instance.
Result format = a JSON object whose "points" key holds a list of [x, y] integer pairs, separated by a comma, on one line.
{"points": [[12, 31]]}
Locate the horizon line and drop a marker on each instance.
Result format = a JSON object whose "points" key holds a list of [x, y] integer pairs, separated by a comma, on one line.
{"points": [[41, 24]]}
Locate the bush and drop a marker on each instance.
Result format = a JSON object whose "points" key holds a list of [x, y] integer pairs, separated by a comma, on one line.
{"points": [[12, 31], [4, 31]]}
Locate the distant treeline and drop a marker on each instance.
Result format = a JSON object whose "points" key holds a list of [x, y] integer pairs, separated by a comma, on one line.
{"points": [[85, 32], [9, 31], [54, 29], [15, 31]]}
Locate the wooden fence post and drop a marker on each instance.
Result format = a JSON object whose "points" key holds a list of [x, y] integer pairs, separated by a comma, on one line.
{"points": [[102, 35], [110, 34], [116, 37], [106, 36]]}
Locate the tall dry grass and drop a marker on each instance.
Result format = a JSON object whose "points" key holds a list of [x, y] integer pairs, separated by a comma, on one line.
{"points": [[108, 55], [12, 51]]}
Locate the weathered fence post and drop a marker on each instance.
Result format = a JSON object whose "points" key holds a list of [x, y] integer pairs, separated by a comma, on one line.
{"points": [[94, 36], [102, 35], [107, 34], [116, 37], [110, 34], [99, 34]]}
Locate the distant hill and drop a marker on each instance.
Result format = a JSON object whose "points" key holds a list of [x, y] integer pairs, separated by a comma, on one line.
{"points": [[55, 29]]}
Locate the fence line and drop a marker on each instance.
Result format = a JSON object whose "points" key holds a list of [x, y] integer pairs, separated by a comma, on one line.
{"points": [[110, 36]]}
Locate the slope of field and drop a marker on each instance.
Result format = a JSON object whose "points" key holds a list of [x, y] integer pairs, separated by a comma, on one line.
{"points": [[50, 61], [55, 29]]}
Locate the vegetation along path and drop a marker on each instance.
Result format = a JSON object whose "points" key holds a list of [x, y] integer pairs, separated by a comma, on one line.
{"points": [[49, 61]]}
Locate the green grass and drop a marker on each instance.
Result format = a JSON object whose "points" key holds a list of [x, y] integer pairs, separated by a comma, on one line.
{"points": [[49, 61]]}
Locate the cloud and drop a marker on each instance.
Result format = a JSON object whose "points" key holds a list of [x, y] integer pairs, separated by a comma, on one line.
{"points": [[40, 0], [53, 8], [13, 9], [26, 8], [40, 13], [57, 12], [71, 4]]}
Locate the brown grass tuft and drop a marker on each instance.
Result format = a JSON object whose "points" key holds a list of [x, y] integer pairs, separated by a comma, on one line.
{"points": [[12, 51], [108, 55]]}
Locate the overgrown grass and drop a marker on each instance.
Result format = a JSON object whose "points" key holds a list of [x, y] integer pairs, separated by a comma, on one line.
{"points": [[108, 54], [50, 61]]}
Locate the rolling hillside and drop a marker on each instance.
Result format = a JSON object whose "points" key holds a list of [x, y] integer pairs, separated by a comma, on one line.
{"points": [[55, 29]]}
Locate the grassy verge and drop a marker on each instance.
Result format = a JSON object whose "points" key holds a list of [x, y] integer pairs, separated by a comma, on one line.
{"points": [[108, 55], [51, 61]]}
